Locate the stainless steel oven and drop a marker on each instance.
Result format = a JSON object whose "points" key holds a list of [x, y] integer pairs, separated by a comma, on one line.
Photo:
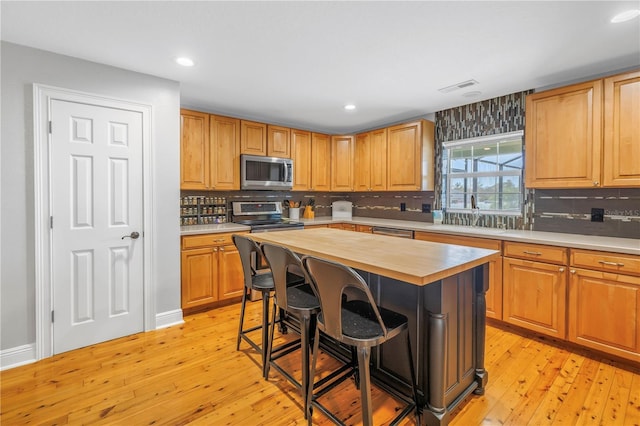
{"points": [[262, 216]]}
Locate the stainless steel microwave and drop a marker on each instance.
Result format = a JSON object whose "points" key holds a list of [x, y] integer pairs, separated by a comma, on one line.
{"points": [[257, 172]]}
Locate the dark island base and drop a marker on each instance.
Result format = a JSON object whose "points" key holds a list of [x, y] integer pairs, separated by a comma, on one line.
{"points": [[447, 331]]}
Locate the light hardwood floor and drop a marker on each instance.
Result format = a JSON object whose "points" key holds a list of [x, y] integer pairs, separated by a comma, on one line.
{"points": [[191, 374]]}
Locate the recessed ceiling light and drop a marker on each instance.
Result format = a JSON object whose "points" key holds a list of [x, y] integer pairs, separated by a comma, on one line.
{"points": [[184, 61], [625, 16], [350, 107], [472, 94]]}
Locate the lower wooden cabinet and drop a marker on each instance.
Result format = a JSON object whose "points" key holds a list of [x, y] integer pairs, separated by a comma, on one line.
{"points": [[493, 297], [604, 302], [603, 312], [211, 270], [535, 296], [364, 228]]}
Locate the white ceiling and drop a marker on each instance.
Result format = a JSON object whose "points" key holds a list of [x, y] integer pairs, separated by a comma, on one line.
{"points": [[299, 63]]}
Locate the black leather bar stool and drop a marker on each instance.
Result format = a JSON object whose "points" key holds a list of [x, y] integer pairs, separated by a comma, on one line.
{"points": [[350, 315], [297, 300]]}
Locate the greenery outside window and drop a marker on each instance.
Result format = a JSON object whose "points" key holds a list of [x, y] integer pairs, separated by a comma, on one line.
{"points": [[488, 168]]}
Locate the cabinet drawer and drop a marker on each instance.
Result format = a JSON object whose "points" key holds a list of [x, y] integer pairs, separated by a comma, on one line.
{"points": [[536, 252], [193, 241], [610, 262]]}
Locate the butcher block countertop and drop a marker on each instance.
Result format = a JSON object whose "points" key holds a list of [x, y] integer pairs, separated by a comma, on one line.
{"points": [[413, 261]]}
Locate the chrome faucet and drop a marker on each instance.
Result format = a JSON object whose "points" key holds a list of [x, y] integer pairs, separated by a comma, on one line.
{"points": [[475, 211]]}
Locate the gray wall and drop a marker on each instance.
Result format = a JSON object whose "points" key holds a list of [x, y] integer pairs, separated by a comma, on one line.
{"points": [[23, 66]]}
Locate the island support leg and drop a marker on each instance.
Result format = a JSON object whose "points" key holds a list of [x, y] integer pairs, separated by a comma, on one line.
{"points": [[481, 287], [436, 413]]}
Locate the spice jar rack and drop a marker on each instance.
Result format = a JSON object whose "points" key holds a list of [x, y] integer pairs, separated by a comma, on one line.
{"points": [[202, 210]]}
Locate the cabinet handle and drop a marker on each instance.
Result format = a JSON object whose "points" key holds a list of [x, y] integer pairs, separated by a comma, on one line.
{"points": [[604, 262], [561, 269], [534, 253], [221, 248], [573, 271], [215, 249], [596, 183]]}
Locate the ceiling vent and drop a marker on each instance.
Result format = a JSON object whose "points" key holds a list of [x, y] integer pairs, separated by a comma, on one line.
{"points": [[458, 86]]}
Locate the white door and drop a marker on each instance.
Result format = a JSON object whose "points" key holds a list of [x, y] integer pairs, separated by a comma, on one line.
{"points": [[96, 209]]}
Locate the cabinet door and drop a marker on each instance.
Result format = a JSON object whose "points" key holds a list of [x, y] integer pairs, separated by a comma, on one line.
{"points": [[194, 150], [320, 162], [404, 157], [535, 296], [564, 137], [622, 130], [253, 138], [342, 163], [225, 153], [493, 297], [199, 277], [301, 155], [362, 162], [231, 277], [278, 143], [378, 165], [604, 312]]}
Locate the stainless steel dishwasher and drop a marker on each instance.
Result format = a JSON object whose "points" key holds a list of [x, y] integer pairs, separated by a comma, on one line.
{"points": [[401, 233]]}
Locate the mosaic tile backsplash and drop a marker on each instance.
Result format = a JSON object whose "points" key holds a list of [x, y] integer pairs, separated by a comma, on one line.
{"points": [[569, 211]]}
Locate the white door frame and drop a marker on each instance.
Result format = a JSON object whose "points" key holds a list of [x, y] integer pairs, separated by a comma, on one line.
{"points": [[42, 97]]}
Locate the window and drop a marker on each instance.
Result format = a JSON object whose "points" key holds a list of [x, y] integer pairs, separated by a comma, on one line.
{"points": [[488, 168]]}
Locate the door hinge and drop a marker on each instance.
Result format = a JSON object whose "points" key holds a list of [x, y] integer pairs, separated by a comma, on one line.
{"points": [[50, 127], [51, 222], [51, 316]]}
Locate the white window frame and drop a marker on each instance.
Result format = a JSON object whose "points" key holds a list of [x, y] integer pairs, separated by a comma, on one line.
{"points": [[482, 140]]}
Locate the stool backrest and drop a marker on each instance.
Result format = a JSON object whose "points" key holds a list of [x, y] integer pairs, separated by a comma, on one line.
{"points": [[281, 260], [331, 280], [248, 250]]}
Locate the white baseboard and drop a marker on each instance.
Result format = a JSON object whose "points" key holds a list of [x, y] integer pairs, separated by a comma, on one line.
{"points": [[15, 357], [26, 354], [169, 318]]}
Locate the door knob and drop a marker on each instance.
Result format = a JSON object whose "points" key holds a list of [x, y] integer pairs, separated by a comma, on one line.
{"points": [[134, 236]]}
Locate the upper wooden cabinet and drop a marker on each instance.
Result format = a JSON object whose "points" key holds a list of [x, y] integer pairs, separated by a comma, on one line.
{"points": [[194, 150], [301, 155], [311, 154], [410, 156], [622, 130], [209, 151], [278, 144], [342, 163], [320, 162], [370, 162], [263, 139], [224, 139], [566, 146], [563, 137], [253, 138]]}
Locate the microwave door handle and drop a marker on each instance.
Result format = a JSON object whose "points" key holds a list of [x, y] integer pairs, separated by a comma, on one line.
{"points": [[286, 172]]}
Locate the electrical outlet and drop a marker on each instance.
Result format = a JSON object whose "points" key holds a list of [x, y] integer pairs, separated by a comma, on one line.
{"points": [[403, 207], [426, 208], [597, 215]]}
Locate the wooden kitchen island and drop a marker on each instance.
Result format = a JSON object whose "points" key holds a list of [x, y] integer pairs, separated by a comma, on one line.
{"points": [[439, 287]]}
